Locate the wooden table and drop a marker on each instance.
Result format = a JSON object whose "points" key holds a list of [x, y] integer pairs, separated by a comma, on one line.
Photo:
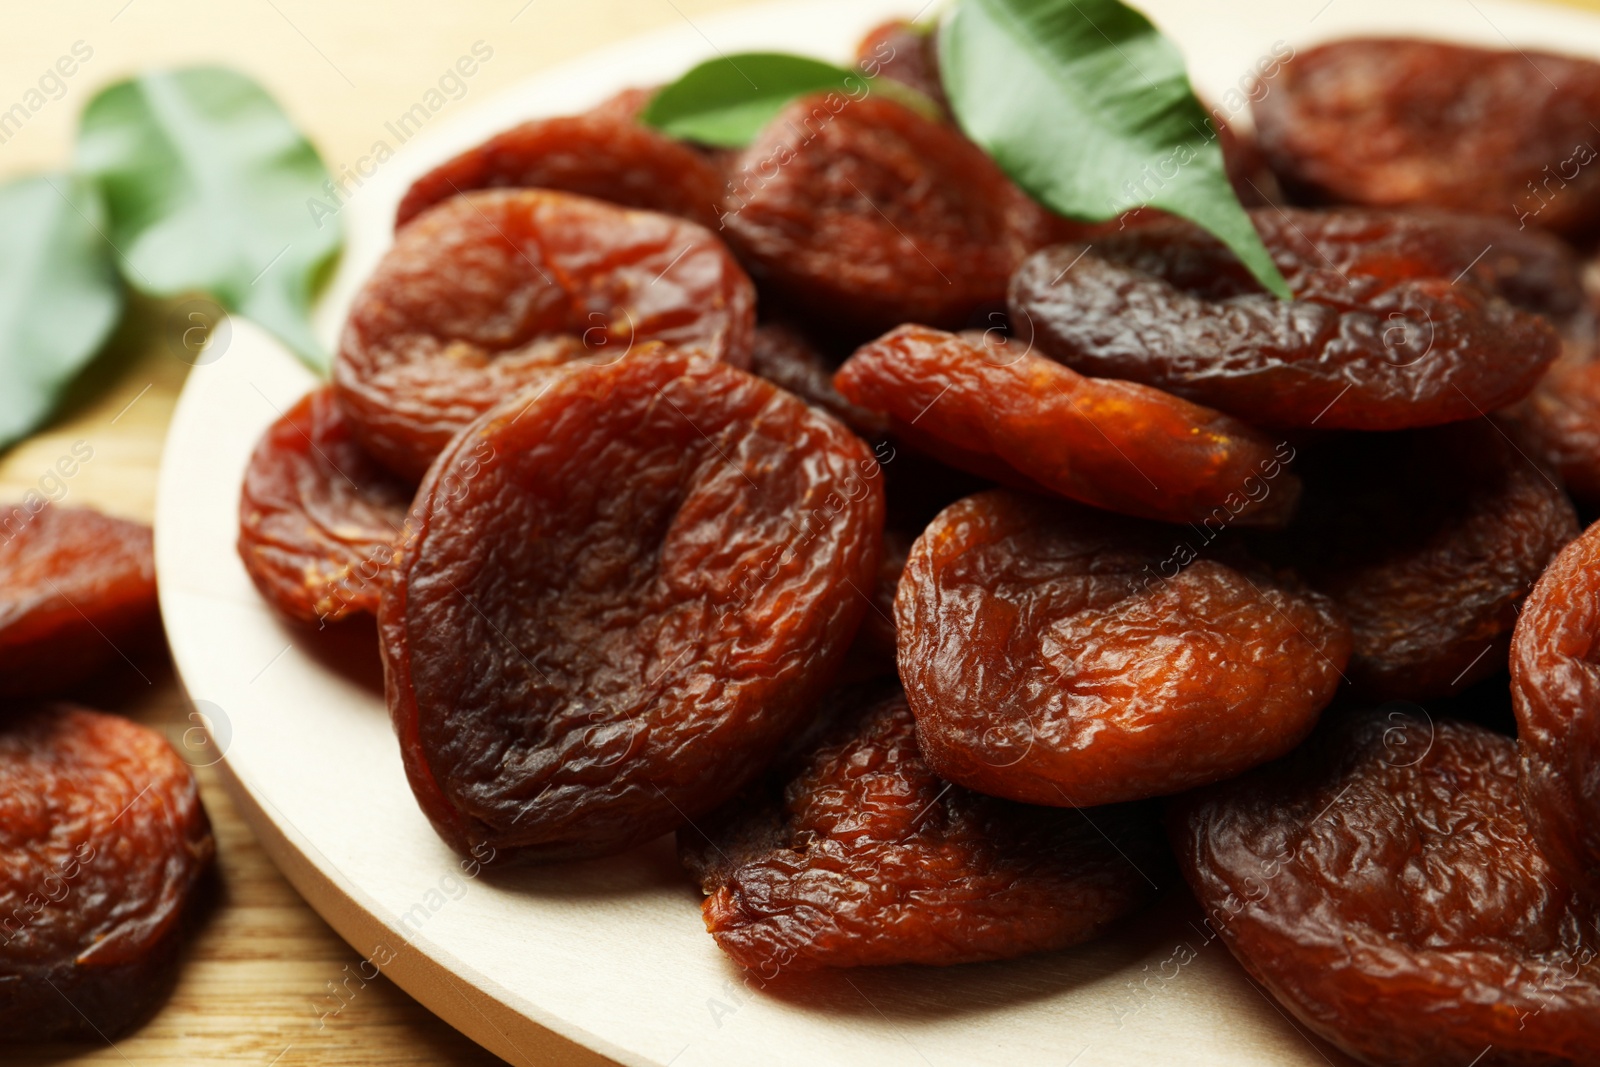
{"points": [[255, 986]]}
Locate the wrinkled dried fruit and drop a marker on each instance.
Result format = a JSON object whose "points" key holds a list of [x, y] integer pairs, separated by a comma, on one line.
{"points": [[855, 854], [1428, 541], [904, 52], [102, 842], [1382, 882], [1555, 684], [1387, 330], [1561, 419], [318, 517], [1406, 123], [788, 359], [487, 292], [1057, 655], [77, 592], [616, 623], [1000, 411], [872, 215], [605, 153]]}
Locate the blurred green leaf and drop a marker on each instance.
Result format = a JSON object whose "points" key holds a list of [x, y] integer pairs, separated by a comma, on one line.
{"points": [[1088, 107], [60, 297], [727, 101], [206, 183]]}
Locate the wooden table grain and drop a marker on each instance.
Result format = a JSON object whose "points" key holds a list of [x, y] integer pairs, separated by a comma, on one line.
{"points": [[265, 981]]}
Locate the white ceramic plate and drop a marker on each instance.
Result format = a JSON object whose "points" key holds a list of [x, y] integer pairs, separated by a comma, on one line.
{"points": [[577, 963]]}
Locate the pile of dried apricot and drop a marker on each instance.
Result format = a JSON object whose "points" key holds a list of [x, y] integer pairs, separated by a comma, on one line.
{"points": [[661, 466]]}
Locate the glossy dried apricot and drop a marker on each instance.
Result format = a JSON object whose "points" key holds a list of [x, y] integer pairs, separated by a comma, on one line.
{"points": [[1428, 541], [1387, 329], [1058, 655], [486, 292], [1005, 413], [318, 516], [855, 853], [1555, 683], [102, 843], [1408, 123], [77, 592], [866, 214], [904, 52], [787, 358], [616, 623], [605, 153], [1382, 882]]}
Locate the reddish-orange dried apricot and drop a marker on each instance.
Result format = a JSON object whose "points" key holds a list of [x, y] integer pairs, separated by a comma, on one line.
{"points": [[1387, 329], [486, 292], [1555, 683], [1057, 655], [102, 841], [1382, 882], [855, 854], [318, 517], [605, 153], [867, 215], [617, 622], [1002, 412], [1408, 123], [77, 592], [1428, 541]]}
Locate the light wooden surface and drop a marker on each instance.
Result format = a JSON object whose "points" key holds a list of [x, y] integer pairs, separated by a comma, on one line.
{"points": [[255, 988]]}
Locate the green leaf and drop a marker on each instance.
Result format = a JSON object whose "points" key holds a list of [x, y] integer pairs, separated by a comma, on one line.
{"points": [[59, 295], [1089, 108], [209, 188], [727, 101]]}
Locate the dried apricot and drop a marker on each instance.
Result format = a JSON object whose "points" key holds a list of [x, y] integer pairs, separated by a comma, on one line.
{"points": [[1382, 882], [102, 843], [77, 592], [486, 292], [1428, 541], [787, 358], [1561, 419], [856, 854], [1002, 412], [318, 517], [866, 214], [1386, 331], [615, 624], [1407, 123], [1057, 655], [1555, 683], [907, 53], [605, 153]]}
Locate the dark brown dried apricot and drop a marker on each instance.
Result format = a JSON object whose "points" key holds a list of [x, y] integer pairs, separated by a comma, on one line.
{"points": [[1382, 882], [787, 358], [1555, 684], [616, 623], [1387, 330], [1408, 123], [77, 592], [1428, 541], [1561, 419], [318, 516], [904, 52], [605, 153], [102, 842], [1002, 412], [868, 215], [855, 854], [1058, 655], [486, 292]]}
